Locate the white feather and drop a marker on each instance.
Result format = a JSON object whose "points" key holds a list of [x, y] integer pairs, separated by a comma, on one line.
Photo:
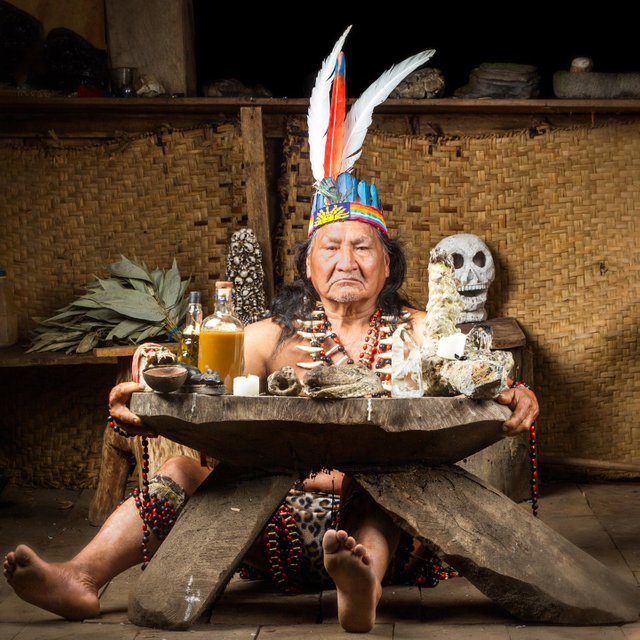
{"points": [[320, 109], [360, 116]]}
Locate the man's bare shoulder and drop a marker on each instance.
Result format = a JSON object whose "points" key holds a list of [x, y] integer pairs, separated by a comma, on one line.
{"points": [[417, 323], [417, 317], [264, 332]]}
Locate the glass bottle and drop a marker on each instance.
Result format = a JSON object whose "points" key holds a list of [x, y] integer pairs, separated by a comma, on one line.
{"points": [[406, 366], [221, 344], [8, 312], [188, 351]]}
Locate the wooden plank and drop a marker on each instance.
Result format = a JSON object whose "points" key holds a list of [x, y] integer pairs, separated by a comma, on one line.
{"points": [[157, 38], [200, 555], [256, 188], [127, 350], [512, 557], [26, 116], [507, 333], [16, 357], [274, 433]]}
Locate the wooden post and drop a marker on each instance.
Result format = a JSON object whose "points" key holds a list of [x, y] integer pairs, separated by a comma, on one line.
{"points": [[209, 540], [157, 38], [256, 188], [512, 557]]}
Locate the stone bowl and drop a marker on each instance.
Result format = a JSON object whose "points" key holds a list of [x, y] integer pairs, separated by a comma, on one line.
{"points": [[165, 379]]}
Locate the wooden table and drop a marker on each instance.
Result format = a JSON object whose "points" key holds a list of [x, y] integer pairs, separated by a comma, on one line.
{"points": [[400, 451]]}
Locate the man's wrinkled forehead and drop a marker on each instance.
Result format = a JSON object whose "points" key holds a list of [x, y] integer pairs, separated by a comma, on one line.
{"points": [[352, 231]]}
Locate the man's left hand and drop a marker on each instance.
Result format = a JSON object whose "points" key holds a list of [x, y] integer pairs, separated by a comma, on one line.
{"points": [[525, 408]]}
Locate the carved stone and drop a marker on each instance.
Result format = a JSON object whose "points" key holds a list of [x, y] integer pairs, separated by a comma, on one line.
{"points": [[284, 382]]}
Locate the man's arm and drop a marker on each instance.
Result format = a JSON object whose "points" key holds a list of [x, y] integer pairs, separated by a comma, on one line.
{"points": [[521, 400], [525, 408], [260, 341]]}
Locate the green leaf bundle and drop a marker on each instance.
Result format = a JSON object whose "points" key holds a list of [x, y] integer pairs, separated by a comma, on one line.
{"points": [[131, 306]]}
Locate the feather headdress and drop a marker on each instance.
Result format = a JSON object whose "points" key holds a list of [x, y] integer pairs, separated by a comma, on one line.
{"points": [[335, 141]]}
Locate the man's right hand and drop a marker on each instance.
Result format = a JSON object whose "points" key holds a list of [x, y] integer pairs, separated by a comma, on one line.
{"points": [[118, 399]]}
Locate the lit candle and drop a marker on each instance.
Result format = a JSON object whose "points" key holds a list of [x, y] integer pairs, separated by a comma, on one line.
{"points": [[451, 346], [246, 386]]}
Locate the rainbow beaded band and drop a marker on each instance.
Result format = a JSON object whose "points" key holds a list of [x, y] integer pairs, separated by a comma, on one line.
{"points": [[341, 211]]}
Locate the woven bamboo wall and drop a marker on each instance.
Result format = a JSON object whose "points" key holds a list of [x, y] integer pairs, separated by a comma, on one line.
{"points": [[66, 214], [559, 211]]}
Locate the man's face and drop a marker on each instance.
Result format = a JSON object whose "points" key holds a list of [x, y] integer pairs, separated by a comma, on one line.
{"points": [[347, 262]]}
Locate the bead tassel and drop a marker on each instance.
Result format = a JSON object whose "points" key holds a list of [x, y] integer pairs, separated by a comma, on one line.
{"points": [[157, 516], [533, 457]]}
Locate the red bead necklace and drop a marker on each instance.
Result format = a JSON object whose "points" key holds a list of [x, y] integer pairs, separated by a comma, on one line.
{"points": [[373, 347]]}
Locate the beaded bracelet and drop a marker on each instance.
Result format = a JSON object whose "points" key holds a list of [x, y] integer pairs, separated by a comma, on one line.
{"points": [[533, 456]]}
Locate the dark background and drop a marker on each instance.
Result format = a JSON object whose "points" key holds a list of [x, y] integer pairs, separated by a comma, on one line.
{"points": [[282, 45]]}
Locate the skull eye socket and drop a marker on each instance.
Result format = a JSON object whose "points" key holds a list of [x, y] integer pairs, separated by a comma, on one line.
{"points": [[458, 260], [480, 259]]}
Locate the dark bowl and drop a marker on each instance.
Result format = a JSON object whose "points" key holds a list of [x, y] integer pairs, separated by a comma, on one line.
{"points": [[165, 379]]}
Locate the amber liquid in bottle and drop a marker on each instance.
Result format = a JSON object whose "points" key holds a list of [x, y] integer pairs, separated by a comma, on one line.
{"points": [[221, 340], [223, 352]]}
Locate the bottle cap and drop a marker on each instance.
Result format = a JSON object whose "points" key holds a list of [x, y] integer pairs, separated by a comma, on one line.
{"points": [[224, 284], [194, 297]]}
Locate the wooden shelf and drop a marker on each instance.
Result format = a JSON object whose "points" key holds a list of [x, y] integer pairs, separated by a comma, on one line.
{"points": [[16, 357], [78, 106], [29, 116]]}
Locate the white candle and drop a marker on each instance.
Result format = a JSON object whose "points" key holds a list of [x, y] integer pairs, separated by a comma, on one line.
{"points": [[451, 346], [246, 386]]}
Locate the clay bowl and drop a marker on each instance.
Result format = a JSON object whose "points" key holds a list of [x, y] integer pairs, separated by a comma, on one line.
{"points": [[165, 379]]}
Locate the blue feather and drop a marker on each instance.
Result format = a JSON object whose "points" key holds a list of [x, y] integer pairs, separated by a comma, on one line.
{"points": [[374, 196], [363, 192]]}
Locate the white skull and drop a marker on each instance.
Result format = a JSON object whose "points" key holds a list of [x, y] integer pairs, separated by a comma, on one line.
{"points": [[474, 270]]}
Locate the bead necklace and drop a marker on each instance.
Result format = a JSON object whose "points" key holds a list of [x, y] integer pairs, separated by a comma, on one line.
{"points": [[284, 550], [157, 515], [375, 351], [533, 457]]}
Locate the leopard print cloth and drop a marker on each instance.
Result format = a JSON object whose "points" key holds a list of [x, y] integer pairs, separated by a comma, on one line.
{"points": [[314, 513]]}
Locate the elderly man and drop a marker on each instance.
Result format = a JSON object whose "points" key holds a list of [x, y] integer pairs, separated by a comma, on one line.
{"points": [[356, 271]]}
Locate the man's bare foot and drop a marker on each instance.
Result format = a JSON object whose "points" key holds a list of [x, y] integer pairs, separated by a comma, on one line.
{"points": [[59, 588], [357, 587]]}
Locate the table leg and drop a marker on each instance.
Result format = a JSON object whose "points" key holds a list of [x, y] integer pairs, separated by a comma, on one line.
{"points": [[200, 555], [512, 557]]}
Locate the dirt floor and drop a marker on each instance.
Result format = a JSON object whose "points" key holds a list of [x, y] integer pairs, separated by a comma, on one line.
{"points": [[603, 519]]}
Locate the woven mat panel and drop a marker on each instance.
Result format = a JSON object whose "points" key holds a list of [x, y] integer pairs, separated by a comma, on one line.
{"points": [[67, 214], [51, 429], [559, 211]]}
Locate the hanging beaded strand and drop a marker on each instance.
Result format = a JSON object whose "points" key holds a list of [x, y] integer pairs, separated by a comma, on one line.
{"points": [[533, 457], [157, 516]]}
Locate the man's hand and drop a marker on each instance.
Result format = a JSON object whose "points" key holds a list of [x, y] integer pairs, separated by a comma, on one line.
{"points": [[525, 408], [118, 398]]}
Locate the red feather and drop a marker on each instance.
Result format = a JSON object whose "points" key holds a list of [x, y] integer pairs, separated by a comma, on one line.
{"points": [[335, 132]]}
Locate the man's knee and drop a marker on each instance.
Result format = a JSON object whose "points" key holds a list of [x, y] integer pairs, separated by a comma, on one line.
{"points": [[185, 471]]}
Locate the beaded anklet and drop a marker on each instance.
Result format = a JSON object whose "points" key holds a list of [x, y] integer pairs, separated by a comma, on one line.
{"points": [[157, 516], [533, 457]]}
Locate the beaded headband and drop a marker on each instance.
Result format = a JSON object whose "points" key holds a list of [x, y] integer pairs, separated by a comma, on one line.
{"points": [[336, 139]]}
